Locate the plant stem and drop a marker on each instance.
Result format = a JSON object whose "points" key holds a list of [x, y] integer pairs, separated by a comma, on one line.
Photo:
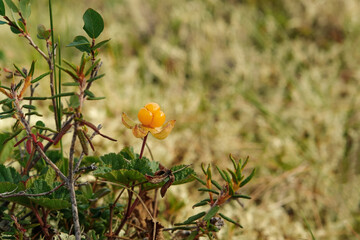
{"points": [[112, 211], [71, 186], [51, 63], [143, 146]]}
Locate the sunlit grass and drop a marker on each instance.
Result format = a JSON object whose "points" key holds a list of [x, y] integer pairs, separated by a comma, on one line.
{"points": [[277, 82]]}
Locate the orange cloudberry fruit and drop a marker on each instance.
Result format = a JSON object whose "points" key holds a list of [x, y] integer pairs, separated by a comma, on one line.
{"points": [[158, 119], [145, 116], [152, 107], [151, 116]]}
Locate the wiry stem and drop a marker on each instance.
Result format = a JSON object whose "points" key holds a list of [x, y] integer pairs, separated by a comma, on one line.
{"points": [[71, 186], [21, 117], [143, 146]]}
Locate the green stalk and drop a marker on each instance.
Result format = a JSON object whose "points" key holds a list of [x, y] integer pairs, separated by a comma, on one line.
{"points": [[59, 98], [58, 124]]}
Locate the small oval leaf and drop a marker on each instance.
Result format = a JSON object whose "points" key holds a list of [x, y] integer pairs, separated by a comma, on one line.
{"points": [[93, 23]]}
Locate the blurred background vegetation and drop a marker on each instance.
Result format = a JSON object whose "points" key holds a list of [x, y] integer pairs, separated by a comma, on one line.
{"points": [[275, 80]]}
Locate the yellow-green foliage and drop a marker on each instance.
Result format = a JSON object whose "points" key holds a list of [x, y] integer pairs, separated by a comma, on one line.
{"points": [[275, 80]]}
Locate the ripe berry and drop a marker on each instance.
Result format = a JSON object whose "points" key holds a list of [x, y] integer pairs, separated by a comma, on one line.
{"points": [[158, 119], [145, 116], [152, 107], [151, 116]]}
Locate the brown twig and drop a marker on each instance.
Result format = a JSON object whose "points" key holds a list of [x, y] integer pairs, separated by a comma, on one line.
{"points": [[71, 186], [24, 194]]}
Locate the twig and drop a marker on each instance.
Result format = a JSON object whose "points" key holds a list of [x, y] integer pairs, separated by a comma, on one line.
{"points": [[77, 165], [71, 185], [28, 131], [24, 194], [112, 211], [31, 42]]}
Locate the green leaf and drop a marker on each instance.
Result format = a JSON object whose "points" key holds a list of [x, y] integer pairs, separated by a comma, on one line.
{"points": [[245, 163], [128, 153], [32, 69], [50, 176], [116, 161], [141, 165], [15, 30], [81, 43], [74, 102], [71, 84], [6, 146], [2, 8], [200, 180], [123, 176], [40, 77], [64, 95], [227, 177], [42, 32], [230, 220], [72, 74], [248, 178], [202, 203], [12, 6], [73, 66], [184, 176], [39, 186], [20, 71], [9, 187], [92, 67], [221, 173], [192, 219], [234, 176], [95, 98], [93, 23], [208, 190], [211, 213], [217, 185], [241, 196], [100, 44], [33, 113], [95, 78], [89, 93], [32, 107], [35, 98], [25, 8], [9, 174], [2, 22]]}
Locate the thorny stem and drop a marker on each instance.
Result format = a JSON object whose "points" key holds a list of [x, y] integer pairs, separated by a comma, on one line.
{"points": [[143, 146]]}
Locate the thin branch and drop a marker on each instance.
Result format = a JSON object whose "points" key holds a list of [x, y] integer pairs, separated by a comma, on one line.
{"points": [[71, 186], [31, 42], [24, 194], [77, 165], [48, 145], [28, 131]]}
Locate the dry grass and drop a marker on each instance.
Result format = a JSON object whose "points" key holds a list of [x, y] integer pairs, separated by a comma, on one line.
{"points": [[275, 80]]}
